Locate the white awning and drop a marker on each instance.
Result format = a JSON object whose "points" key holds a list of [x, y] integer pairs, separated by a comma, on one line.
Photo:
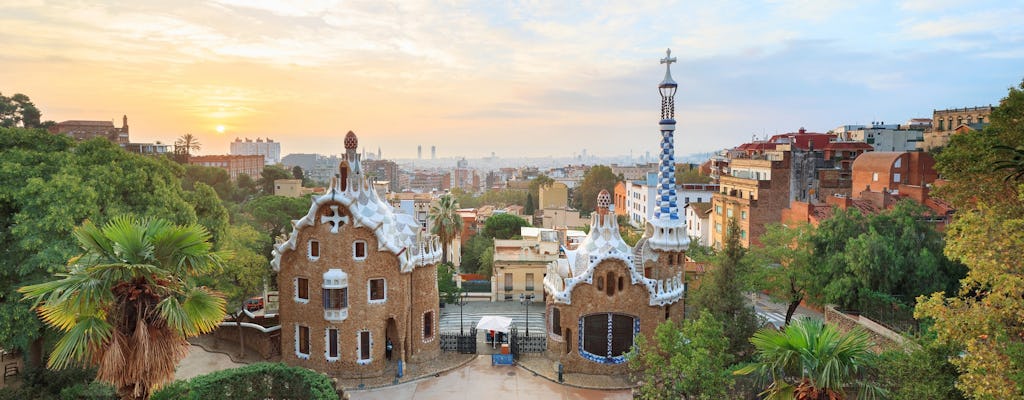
{"points": [[335, 279], [494, 323]]}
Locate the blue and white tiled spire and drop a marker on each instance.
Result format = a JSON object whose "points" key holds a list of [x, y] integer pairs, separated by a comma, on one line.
{"points": [[669, 231]]}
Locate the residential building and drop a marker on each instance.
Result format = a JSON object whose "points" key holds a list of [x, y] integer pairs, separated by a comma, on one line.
{"points": [[619, 199], [153, 149], [946, 122], [888, 170], [754, 195], [634, 172], [885, 137], [384, 171], [269, 149], [562, 217], [356, 277], [698, 216], [234, 165], [641, 199], [520, 264], [85, 130]]}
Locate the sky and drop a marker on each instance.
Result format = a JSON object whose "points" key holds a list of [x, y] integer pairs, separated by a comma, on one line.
{"points": [[517, 78]]}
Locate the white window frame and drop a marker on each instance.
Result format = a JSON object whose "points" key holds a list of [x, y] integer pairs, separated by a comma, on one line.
{"points": [[327, 344], [300, 355], [366, 250], [336, 279], [370, 292], [874, 177], [309, 250], [359, 347], [295, 290]]}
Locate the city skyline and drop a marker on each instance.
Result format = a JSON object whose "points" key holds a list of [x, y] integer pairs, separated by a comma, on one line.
{"points": [[472, 79]]}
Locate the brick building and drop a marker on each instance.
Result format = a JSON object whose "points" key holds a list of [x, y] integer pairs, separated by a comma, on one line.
{"points": [[234, 165], [754, 195], [85, 130], [354, 275]]}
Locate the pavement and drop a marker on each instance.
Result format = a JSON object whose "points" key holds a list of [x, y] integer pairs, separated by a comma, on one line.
{"points": [[200, 362], [775, 312], [481, 380]]}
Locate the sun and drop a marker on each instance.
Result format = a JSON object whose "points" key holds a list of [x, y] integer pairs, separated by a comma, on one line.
{"points": [[220, 128]]}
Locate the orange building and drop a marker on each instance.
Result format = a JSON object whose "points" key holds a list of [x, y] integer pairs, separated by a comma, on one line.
{"points": [[234, 165], [888, 170], [620, 199]]}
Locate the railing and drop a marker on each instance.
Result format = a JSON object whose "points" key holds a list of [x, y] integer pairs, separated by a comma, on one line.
{"points": [[462, 343]]}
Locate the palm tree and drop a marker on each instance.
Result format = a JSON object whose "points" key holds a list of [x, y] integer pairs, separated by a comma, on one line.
{"points": [[186, 144], [130, 300], [447, 224], [811, 360], [1014, 164]]}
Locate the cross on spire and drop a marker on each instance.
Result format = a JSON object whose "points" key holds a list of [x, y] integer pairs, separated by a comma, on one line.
{"points": [[668, 58]]}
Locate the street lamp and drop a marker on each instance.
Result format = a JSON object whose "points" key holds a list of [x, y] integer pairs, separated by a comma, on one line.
{"points": [[526, 300], [462, 302]]}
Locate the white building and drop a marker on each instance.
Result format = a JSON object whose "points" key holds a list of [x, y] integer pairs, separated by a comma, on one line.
{"points": [[269, 149], [641, 197], [887, 137], [697, 219]]}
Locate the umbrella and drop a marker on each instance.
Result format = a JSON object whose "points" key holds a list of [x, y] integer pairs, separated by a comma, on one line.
{"points": [[494, 323]]}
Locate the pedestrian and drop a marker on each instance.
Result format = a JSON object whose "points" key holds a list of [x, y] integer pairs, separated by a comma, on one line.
{"points": [[387, 349]]}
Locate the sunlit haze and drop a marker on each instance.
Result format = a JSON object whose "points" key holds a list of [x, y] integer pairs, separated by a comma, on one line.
{"points": [[529, 78]]}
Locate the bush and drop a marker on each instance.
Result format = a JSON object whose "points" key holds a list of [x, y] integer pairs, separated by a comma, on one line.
{"points": [[65, 384], [255, 381], [89, 391]]}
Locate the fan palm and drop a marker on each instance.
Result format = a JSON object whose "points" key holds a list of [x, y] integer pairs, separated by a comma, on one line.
{"points": [[1014, 164], [447, 224], [129, 301], [811, 360], [186, 144]]}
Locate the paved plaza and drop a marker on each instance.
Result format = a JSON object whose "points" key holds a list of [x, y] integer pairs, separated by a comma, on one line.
{"points": [[481, 380]]}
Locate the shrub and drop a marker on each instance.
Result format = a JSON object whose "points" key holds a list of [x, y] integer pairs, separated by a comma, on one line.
{"points": [[255, 381]]}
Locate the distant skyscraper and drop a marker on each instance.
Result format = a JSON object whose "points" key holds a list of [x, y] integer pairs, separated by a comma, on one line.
{"points": [[419, 152], [380, 156], [433, 152], [269, 149]]}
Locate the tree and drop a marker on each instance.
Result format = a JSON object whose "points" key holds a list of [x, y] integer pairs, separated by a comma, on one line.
{"points": [[210, 212], [541, 181], [472, 252], [130, 301], [217, 178], [297, 173], [1013, 164], [274, 214], [186, 144], [270, 174], [246, 188], [487, 262], [18, 110], [783, 264], [446, 287], [446, 222], [504, 226], [922, 373], [530, 207], [597, 178], [687, 173], [811, 360], [683, 361], [721, 293]]}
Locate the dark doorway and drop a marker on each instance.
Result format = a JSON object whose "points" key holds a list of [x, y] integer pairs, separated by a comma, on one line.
{"points": [[391, 336]]}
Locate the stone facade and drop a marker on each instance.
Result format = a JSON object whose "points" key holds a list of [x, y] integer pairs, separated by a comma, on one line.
{"points": [[946, 122], [354, 275]]}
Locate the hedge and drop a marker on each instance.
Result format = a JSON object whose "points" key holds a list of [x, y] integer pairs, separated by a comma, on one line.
{"points": [[254, 381]]}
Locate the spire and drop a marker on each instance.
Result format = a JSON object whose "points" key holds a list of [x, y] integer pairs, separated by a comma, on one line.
{"points": [[667, 208]]}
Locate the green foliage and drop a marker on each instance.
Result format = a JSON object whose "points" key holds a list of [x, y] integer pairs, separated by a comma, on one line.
{"points": [[244, 275], [597, 178], [861, 261], [537, 183], [487, 262], [503, 226], [254, 381], [464, 198], [18, 110], [686, 173], [210, 211], [721, 293], [782, 264], [446, 286], [924, 373], [270, 174], [66, 384], [473, 252], [186, 144], [813, 360], [274, 214], [217, 178], [684, 361], [48, 185], [530, 207], [503, 198]]}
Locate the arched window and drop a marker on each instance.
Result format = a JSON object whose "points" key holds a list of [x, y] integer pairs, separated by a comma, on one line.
{"points": [[599, 281], [610, 289], [556, 321]]}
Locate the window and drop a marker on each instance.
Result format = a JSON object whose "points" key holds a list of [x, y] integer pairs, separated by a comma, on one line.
{"points": [[942, 125], [335, 299], [600, 282], [896, 178], [607, 337], [743, 234], [687, 200], [981, 120], [428, 325], [332, 345], [378, 290], [359, 250], [365, 343], [874, 177], [621, 283], [301, 290], [335, 295], [556, 321], [728, 213], [610, 289], [718, 210], [743, 215], [314, 250], [508, 282], [529, 281], [302, 342], [898, 163], [718, 227]]}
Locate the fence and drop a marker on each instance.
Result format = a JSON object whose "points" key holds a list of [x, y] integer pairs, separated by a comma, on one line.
{"points": [[520, 344], [462, 343], [476, 286]]}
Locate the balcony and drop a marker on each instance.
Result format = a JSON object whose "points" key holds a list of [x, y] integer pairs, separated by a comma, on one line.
{"points": [[335, 314]]}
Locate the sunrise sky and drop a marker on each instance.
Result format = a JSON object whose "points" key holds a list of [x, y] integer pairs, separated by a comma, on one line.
{"points": [[519, 78]]}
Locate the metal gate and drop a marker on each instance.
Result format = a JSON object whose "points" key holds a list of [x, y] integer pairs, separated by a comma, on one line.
{"points": [[462, 343]]}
